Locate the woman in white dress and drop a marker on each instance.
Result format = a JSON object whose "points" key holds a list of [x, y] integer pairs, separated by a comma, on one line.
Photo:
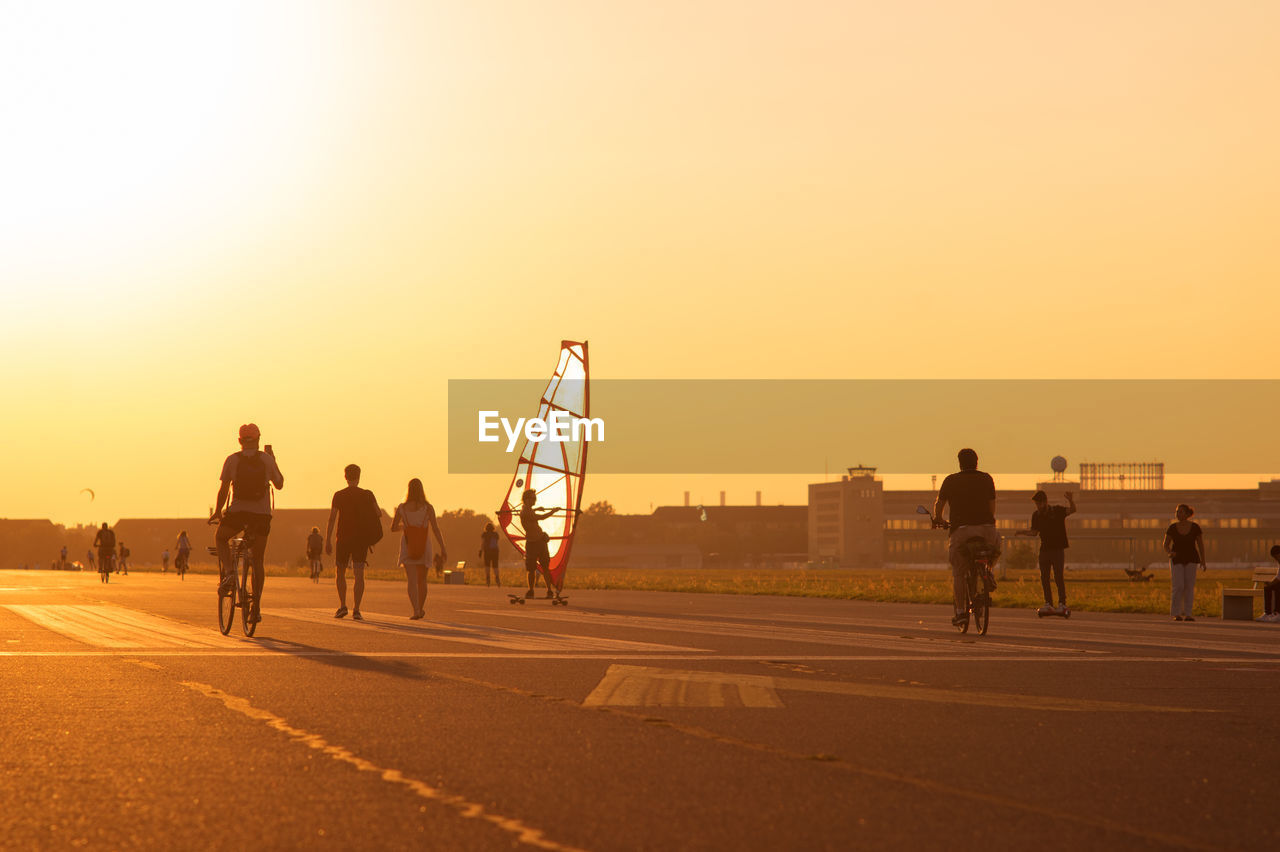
{"points": [[416, 518]]}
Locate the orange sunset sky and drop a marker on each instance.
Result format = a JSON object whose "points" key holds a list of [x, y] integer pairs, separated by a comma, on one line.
{"points": [[311, 215]]}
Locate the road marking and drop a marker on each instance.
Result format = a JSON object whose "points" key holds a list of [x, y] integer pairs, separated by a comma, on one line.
{"points": [[951, 644], [475, 634], [639, 686], [467, 809], [108, 626]]}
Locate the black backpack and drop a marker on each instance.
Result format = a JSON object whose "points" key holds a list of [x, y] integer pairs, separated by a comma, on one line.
{"points": [[251, 478], [107, 540], [373, 525]]}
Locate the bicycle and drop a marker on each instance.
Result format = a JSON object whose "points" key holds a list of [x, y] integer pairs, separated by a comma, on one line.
{"points": [[239, 595], [180, 565], [977, 557]]}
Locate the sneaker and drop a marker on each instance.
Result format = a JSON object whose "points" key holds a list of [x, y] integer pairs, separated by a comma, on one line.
{"points": [[1177, 618], [1045, 609], [529, 593], [959, 618], [227, 585], [356, 616], [1188, 618], [1274, 617], [1266, 616], [254, 616], [549, 595], [341, 613], [1062, 607]]}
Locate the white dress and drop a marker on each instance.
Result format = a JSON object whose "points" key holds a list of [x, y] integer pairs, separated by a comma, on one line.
{"points": [[420, 518]]}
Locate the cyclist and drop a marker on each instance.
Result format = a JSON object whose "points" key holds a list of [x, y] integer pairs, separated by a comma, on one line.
{"points": [[105, 541], [164, 561], [184, 553], [315, 547], [971, 494], [246, 475]]}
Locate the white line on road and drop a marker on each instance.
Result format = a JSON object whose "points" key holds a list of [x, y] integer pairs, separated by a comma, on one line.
{"points": [[467, 809], [475, 634], [951, 644], [641, 686], [108, 626]]}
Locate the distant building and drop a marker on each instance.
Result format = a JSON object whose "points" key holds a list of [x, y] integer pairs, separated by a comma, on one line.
{"points": [[847, 520]]}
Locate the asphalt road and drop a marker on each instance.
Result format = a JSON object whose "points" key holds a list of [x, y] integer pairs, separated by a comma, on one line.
{"points": [[625, 721]]}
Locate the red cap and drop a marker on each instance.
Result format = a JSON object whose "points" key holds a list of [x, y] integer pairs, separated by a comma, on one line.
{"points": [[250, 430]]}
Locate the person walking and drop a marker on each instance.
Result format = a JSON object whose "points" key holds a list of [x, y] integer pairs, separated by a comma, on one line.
{"points": [[1271, 593], [93, 565], [489, 554], [356, 515], [164, 561], [1050, 523], [416, 519], [123, 564], [1184, 542]]}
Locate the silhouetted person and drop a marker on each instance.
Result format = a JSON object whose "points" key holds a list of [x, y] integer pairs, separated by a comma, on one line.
{"points": [[164, 561], [971, 494], [183, 562], [537, 558], [489, 553], [62, 557], [246, 476], [105, 541], [315, 549], [93, 563], [123, 564], [417, 518], [355, 512], [1184, 542], [1271, 592], [1050, 523]]}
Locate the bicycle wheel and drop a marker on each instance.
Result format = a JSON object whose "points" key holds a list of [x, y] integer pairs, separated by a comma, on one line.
{"points": [[246, 596], [226, 607], [982, 613]]}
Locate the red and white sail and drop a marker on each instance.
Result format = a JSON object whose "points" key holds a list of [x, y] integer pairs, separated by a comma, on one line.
{"points": [[554, 469]]}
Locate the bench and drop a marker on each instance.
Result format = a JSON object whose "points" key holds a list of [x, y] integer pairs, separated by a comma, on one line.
{"points": [[1237, 604]]}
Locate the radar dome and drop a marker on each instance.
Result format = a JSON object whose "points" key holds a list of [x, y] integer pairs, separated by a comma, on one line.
{"points": [[1058, 464]]}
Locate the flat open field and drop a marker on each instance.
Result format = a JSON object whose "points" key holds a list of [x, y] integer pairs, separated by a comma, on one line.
{"points": [[1087, 590]]}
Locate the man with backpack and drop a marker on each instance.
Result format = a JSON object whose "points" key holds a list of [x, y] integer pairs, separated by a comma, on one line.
{"points": [[356, 514], [246, 476]]}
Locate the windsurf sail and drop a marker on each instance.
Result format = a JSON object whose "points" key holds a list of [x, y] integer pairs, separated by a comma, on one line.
{"points": [[555, 470]]}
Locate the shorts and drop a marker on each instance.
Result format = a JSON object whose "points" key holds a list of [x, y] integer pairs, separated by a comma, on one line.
{"points": [[250, 523], [491, 559], [535, 555], [350, 551], [960, 537]]}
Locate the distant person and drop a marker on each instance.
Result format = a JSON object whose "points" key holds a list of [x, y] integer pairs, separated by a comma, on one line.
{"points": [[537, 557], [123, 564], [1184, 542], [359, 521], [62, 558], [246, 476], [105, 541], [183, 546], [315, 549], [164, 561], [89, 558], [1050, 523], [489, 553], [971, 494], [1271, 592], [417, 518]]}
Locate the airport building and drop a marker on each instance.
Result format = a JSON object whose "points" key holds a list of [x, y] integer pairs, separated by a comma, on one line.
{"points": [[855, 522]]}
